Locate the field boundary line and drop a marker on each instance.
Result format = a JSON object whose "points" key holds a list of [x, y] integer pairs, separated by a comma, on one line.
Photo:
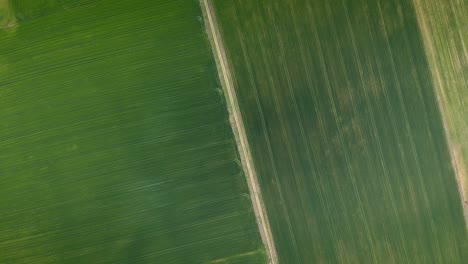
{"points": [[457, 161], [239, 129]]}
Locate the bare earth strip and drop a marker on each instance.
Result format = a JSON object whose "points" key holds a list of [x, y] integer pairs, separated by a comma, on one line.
{"points": [[239, 130], [452, 124], [7, 18]]}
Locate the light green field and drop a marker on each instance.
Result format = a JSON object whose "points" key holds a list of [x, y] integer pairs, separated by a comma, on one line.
{"points": [[115, 144], [347, 138]]}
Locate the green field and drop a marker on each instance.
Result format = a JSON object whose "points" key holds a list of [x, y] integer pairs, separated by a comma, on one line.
{"points": [[115, 144], [347, 138]]}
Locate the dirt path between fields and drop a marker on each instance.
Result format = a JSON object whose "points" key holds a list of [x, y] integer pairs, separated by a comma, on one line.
{"points": [[455, 152], [238, 129]]}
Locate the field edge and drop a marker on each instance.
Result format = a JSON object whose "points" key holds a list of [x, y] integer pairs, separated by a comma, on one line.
{"points": [[238, 128], [455, 153]]}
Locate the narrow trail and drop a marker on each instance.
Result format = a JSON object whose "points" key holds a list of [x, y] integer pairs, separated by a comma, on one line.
{"points": [[456, 158], [239, 130]]}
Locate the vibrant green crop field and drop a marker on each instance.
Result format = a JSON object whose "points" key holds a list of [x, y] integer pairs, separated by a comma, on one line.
{"points": [[115, 144], [340, 109]]}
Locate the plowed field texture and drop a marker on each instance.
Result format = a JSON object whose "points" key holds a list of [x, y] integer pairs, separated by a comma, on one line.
{"points": [[115, 143], [340, 106]]}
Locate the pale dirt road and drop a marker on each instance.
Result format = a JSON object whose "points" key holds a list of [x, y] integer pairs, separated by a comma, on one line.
{"points": [[455, 149], [238, 129]]}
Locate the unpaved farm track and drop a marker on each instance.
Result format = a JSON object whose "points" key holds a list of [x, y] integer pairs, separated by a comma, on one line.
{"points": [[239, 130], [448, 77]]}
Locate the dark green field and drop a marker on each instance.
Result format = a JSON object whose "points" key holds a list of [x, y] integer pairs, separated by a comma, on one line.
{"points": [[348, 142], [115, 144]]}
